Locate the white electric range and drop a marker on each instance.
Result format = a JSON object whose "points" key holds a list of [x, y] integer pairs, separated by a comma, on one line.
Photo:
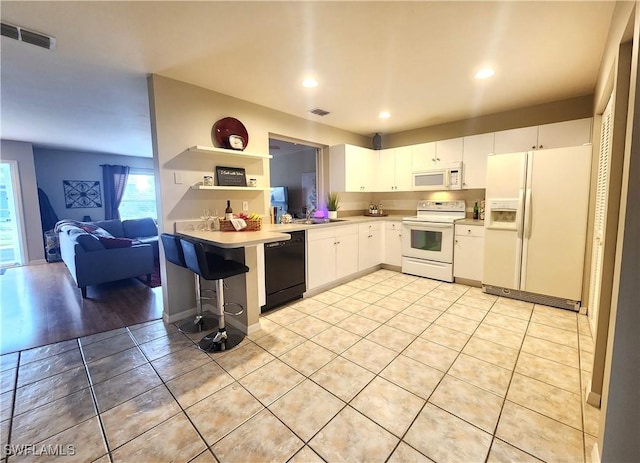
{"points": [[428, 237]]}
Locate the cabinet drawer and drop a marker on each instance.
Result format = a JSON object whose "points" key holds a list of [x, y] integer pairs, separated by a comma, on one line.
{"points": [[331, 232], [369, 227], [470, 230], [393, 226]]}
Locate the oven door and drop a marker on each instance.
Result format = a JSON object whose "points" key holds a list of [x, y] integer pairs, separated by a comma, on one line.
{"points": [[428, 240]]}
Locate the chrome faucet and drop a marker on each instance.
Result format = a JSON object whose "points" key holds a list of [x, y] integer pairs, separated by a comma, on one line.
{"points": [[309, 213]]}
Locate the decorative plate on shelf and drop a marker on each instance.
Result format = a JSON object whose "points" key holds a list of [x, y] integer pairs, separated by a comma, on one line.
{"points": [[230, 133]]}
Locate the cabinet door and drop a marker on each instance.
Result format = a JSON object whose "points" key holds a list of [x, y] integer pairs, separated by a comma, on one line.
{"points": [[423, 157], [474, 156], [321, 262], [468, 257], [346, 255], [403, 160], [370, 245], [564, 134], [355, 160], [393, 243], [516, 140], [361, 169], [448, 151], [387, 170]]}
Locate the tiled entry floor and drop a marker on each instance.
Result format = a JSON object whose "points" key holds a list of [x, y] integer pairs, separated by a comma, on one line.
{"points": [[388, 367]]}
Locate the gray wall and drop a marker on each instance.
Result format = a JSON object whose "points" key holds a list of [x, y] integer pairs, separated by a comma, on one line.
{"points": [[53, 166]]}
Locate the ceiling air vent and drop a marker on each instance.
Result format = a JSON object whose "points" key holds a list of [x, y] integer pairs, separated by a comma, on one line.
{"points": [[10, 31], [319, 112], [27, 36]]}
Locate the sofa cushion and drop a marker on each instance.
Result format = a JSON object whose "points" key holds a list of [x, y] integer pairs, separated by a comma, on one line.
{"points": [[136, 228], [113, 242], [112, 226], [89, 242]]}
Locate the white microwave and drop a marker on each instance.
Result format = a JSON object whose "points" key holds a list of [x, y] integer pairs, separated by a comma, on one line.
{"points": [[445, 178]]}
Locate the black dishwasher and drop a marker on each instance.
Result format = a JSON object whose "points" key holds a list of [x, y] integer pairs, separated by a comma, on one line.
{"points": [[284, 270]]}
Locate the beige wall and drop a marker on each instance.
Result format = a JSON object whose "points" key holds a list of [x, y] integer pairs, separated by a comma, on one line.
{"points": [[22, 153], [565, 110]]}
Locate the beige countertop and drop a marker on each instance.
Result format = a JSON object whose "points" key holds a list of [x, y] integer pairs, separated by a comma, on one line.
{"points": [[270, 232], [479, 223]]}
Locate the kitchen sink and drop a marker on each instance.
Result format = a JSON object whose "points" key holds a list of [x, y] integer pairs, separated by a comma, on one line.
{"points": [[317, 221]]}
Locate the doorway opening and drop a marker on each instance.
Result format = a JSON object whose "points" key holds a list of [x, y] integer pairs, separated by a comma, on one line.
{"points": [[295, 180], [12, 246]]}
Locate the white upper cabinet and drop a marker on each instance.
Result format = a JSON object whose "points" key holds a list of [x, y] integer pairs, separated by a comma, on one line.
{"points": [[474, 158], [423, 156], [353, 168], [448, 151], [557, 135], [516, 140], [565, 134], [394, 169]]}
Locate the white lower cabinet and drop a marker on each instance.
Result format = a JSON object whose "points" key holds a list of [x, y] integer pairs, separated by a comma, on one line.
{"points": [[468, 253], [370, 244], [332, 253], [393, 243]]}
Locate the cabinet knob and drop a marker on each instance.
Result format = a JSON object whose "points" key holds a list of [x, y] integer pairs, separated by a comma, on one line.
{"points": [[469, 231], [541, 146]]}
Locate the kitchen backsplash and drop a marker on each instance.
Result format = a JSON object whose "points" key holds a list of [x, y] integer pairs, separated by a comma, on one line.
{"points": [[404, 202]]}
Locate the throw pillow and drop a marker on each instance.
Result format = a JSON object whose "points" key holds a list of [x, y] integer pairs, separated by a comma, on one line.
{"points": [[89, 242], [111, 242], [97, 231]]}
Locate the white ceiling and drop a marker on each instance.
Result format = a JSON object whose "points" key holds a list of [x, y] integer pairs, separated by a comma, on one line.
{"points": [[414, 59]]}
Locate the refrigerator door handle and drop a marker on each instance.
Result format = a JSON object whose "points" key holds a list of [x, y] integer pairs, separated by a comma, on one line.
{"points": [[519, 213], [528, 211]]}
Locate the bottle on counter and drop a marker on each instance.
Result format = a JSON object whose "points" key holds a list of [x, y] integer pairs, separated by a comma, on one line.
{"points": [[475, 211], [228, 212]]}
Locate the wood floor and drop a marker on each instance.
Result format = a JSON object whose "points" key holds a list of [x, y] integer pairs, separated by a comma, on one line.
{"points": [[41, 304]]}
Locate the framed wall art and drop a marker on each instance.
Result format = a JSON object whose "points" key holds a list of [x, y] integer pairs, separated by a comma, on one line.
{"points": [[82, 193]]}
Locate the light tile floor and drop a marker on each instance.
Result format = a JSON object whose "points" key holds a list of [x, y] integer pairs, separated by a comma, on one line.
{"points": [[388, 367]]}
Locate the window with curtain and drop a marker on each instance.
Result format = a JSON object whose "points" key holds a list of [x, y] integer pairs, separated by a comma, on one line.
{"points": [[139, 198]]}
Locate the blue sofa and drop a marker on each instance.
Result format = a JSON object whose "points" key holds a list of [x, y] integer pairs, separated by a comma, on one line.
{"points": [[110, 250]]}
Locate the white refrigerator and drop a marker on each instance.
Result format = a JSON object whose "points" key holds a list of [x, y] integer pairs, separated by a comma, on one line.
{"points": [[536, 224]]}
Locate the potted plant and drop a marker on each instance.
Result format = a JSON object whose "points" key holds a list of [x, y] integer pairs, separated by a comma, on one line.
{"points": [[332, 205]]}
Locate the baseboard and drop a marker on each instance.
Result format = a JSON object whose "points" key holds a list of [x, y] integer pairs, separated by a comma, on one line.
{"points": [[178, 316], [595, 454], [594, 399], [465, 281]]}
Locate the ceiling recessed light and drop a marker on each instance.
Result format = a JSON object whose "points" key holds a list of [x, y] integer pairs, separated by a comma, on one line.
{"points": [[484, 73], [384, 115], [309, 83]]}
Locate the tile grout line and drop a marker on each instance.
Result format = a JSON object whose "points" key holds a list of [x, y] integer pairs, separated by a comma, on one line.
{"points": [[164, 383], [95, 401], [5, 456]]}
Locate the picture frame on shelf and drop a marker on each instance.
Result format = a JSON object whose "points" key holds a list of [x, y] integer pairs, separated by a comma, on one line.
{"points": [[231, 176]]}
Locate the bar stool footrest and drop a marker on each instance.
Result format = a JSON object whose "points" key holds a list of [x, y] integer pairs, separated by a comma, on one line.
{"points": [[236, 304]]}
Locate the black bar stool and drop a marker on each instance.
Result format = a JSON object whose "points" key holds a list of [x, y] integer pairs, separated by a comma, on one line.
{"points": [[174, 254], [214, 267]]}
